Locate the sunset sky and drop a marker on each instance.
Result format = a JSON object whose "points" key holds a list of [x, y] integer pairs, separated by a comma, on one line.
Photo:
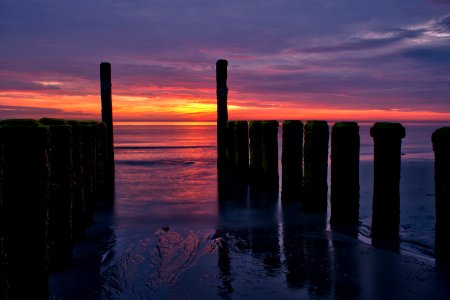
{"points": [[288, 59]]}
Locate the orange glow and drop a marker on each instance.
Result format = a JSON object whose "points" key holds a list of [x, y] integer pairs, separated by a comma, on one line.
{"points": [[187, 108]]}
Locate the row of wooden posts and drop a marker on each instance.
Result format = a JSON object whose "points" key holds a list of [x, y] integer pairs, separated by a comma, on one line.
{"points": [[53, 173], [250, 150]]}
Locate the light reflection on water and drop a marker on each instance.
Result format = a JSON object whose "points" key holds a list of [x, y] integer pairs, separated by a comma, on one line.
{"points": [[176, 233]]}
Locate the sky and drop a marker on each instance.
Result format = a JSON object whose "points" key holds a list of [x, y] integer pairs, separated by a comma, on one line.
{"points": [[361, 60]]}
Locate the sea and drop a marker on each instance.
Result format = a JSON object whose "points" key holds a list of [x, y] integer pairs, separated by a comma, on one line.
{"points": [[169, 235]]}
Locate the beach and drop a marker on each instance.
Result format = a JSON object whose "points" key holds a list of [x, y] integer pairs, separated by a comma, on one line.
{"points": [[174, 232]]}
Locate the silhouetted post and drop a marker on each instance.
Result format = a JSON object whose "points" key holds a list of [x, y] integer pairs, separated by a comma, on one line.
{"points": [[222, 109], [78, 218], [4, 276], [344, 198], [387, 139], [230, 145], [269, 151], [25, 191], [255, 136], [88, 166], [61, 192], [441, 147], [107, 118], [103, 188], [315, 186], [242, 163], [292, 160]]}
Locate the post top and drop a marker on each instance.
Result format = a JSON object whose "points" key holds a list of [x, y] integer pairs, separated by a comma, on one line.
{"points": [[316, 125], [21, 122], [222, 63], [387, 129], [292, 122], [345, 124], [441, 134]]}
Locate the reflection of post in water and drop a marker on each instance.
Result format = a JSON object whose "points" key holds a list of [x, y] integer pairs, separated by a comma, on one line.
{"points": [[344, 198], [292, 161], [386, 194], [257, 232], [441, 147], [346, 270], [306, 251], [315, 186], [232, 196]]}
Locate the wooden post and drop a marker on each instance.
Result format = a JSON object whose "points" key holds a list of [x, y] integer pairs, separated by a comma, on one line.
{"points": [[222, 109], [255, 135], [230, 146], [25, 191], [344, 198], [88, 163], [269, 151], [242, 163], [292, 160], [107, 118], [386, 194], [61, 193], [441, 147], [78, 218], [4, 275], [315, 186]]}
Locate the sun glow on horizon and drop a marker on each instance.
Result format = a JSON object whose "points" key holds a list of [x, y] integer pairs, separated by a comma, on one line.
{"points": [[176, 108]]}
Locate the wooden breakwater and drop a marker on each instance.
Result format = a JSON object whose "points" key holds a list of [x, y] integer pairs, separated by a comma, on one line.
{"points": [[304, 167], [53, 174]]}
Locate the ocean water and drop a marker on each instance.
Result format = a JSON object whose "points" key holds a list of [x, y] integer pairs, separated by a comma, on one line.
{"points": [[172, 234]]}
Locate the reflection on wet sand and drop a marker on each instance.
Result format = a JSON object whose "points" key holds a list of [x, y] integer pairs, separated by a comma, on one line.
{"points": [[314, 259]]}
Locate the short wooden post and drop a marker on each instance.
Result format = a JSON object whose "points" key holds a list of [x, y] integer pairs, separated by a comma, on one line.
{"points": [[230, 146], [255, 136], [61, 192], [107, 118], [222, 109], [25, 191], [78, 215], [344, 198], [88, 163], [242, 160], [4, 275], [387, 139], [315, 186], [292, 160], [104, 190], [441, 147], [269, 151]]}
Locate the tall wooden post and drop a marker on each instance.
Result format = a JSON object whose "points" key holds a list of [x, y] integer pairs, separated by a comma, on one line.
{"points": [[315, 166], [386, 188], [344, 198], [107, 118], [441, 147], [222, 110]]}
